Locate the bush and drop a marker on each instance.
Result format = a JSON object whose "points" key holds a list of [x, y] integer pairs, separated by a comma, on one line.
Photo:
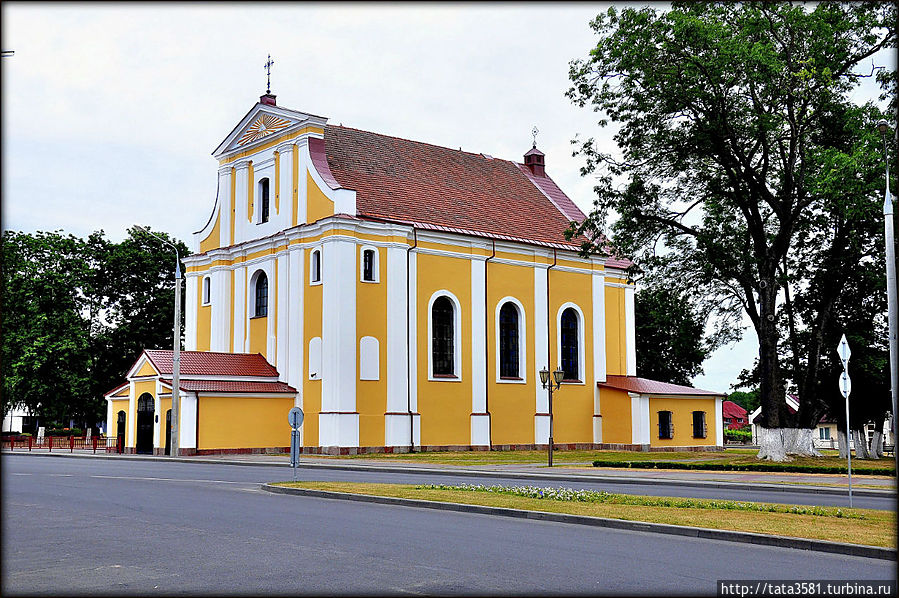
{"points": [[738, 435], [65, 432], [787, 467]]}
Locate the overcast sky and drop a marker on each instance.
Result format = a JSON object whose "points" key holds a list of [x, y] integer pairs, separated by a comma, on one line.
{"points": [[111, 111]]}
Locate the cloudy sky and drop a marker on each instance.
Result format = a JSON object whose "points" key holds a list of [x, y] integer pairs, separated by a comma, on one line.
{"points": [[111, 111]]}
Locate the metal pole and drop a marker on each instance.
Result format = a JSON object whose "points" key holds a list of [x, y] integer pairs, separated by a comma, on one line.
{"points": [[176, 362], [550, 447], [849, 450], [891, 285]]}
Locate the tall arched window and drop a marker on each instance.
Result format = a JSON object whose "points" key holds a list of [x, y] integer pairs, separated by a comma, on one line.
{"points": [[442, 331], [569, 345], [368, 265], [508, 341], [263, 200], [206, 290], [315, 266], [260, 306]]}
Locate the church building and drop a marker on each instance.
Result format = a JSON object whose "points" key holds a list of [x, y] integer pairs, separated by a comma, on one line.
{"points": [[405, 296]]}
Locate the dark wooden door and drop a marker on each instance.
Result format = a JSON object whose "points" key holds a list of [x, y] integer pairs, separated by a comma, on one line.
{"points": [[168, 432], [145, 411], [120, 432]]}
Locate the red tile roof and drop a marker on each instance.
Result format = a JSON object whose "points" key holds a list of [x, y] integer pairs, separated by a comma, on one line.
{"points": [[208, 363], [731, 409], [233, 386], [116, 389], [398, 179], [653, 387]]}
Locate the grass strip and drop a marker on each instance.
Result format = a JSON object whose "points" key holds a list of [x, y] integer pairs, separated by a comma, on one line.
{"points": [[775, 467], [856, 526]]}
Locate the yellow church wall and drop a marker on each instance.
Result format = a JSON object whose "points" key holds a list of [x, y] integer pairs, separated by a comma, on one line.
{"points": [[318, 206], [682, 416], [371, 320], [243, 422], [146, 370], [258, 333], [213, 241], [120, 405], [511, 405], [444, 405], [616, 416], [573, 403], [140, 387], [122, 393], [312, 327], [204, 320], [615, 332]]}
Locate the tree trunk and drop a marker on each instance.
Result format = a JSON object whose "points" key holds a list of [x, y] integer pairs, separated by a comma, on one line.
{"points": [[877, 444], [860, 440], [843, 444], [801, 442], [771, 445], [778, 444]]}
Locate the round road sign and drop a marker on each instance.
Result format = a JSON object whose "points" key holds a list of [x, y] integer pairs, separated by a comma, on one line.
{"points": [[295, 417]]}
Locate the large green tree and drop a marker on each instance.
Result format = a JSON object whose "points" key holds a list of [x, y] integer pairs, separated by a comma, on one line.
{"points": [[77, 313], [749, 173]]}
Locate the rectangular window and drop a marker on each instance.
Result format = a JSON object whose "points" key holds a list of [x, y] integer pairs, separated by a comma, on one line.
{"points": [[368, 265], [666, 425], [699, 429], [824, 433]]}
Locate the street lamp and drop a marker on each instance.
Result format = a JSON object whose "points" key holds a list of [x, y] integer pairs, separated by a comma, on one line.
{"points": [[883, 126], [551, 384], [176, 353]]}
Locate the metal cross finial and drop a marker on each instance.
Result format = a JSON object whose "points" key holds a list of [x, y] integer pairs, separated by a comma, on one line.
{"points": [[534, 132], [268, 74]]}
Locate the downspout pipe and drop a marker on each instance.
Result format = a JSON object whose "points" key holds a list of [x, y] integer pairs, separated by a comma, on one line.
{"points": [[549, 353], [409, 346], [487, 352]]}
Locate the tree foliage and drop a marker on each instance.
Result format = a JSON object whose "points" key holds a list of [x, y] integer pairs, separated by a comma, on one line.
{"points": [[76, 313], [670, 336], [750, 175]]}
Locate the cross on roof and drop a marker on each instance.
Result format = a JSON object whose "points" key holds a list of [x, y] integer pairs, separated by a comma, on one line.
{"points": [[534, 132], [268, 74]]}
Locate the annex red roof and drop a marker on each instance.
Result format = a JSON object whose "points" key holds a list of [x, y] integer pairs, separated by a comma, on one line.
{"points": [[233, 386], [653, 387], [208, 363], [410, 181], [731, 409]]}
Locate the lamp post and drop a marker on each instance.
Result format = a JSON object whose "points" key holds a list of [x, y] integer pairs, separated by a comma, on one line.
{"points": [[176, 353], [552, 384], [883, 126]]}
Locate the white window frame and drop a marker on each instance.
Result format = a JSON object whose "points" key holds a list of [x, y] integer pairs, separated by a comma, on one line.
{"points": [[457, 338], [206, 290], [257, 199], [376, 269], [522, 343], [312, 253], [581, 364]]}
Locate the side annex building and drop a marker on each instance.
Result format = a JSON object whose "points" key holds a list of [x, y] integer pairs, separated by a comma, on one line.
{"points": [[405, 296]]}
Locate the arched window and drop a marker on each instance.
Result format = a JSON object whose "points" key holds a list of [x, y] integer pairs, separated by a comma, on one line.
{"points": [[508, 341], [369, 265], [442, 337], [263, 200], [315, 266], [206, 290], [260, 305], [570, 351]]}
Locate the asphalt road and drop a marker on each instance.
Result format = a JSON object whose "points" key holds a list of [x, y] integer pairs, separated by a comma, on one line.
{"points": [[113, 527]]}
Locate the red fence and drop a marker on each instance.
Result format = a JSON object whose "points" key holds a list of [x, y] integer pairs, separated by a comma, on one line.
{"points": [[106, 444]]}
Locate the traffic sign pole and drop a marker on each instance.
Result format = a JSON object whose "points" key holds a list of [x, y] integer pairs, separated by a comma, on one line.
{"points": [[845, 389], [295, 419]]}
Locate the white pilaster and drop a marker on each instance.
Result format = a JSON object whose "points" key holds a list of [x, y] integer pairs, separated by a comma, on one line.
{"points": [[191, 305], [599, 349], [480, 420], [285, 185], [131, 417], [397, 424], [639, 419], [630, 331], [338, 344], [224, 206], [283, 311], [413, 331], [541, 354], [296, 347], [157, 420], [187, 428], [241, 188], [110, 419], [303, 163], [220, 310], [240, 309], [719, 422]]}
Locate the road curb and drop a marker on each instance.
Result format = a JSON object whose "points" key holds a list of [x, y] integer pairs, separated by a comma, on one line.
{"points": [[874, 552], [549, 477]]}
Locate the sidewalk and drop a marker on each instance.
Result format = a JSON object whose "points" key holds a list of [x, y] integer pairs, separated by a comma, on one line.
{"points": [[814, 483]]}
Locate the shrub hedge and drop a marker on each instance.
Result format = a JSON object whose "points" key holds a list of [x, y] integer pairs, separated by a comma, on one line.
{"points": [[785, 467]]}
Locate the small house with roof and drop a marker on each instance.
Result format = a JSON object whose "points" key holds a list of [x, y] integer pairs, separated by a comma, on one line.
{"points": [[405, 296]]}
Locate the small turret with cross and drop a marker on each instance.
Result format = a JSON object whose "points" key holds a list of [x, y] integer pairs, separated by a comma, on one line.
{"points": [[268, 98]]}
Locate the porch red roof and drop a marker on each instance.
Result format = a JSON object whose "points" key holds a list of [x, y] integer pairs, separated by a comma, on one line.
{"points": [[239, 386], [208, 363], [654, 387]]}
